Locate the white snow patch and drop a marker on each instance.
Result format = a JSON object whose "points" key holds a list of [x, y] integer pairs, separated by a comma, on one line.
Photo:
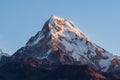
{"points": [[67, 45], [49, 51], [35, 41], [38, 39], [105, 63], [44, 57]]}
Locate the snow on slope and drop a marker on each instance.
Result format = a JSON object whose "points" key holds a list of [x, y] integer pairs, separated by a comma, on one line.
{"points": [[61, 35], [76, 43]]}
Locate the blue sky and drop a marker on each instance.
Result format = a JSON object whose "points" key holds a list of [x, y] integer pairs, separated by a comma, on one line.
{"points": [[98, 19]]}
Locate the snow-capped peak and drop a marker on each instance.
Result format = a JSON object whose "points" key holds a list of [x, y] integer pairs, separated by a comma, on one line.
{"points": [[58, 25], [55, 17], [61, 42]]}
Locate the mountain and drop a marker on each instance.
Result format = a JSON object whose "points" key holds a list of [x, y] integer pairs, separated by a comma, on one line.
{"points": [[3, 54], [60, 51], [60, 41]]}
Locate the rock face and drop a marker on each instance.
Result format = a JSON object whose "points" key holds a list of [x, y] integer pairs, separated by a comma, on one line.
{"points": [[60, 41], [21, 71]]}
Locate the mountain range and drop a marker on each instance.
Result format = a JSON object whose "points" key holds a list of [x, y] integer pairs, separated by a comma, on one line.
{"points": [[60, 51]]}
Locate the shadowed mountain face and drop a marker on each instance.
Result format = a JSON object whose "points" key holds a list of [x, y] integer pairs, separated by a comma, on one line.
{"points": [[60, 51], [27, 71], [34, 69]]}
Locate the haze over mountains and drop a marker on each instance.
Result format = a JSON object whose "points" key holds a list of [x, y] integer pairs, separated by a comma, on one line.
{"points": [[59, 46]]}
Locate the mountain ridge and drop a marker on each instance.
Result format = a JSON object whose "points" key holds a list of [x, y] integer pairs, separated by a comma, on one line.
{"points": [[60, 51], [60, 41]]}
